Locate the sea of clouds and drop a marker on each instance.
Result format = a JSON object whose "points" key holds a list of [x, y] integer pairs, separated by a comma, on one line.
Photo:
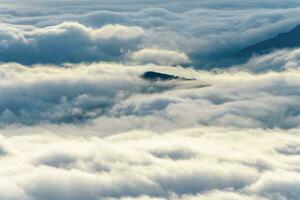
{"points": [[77, 121]]}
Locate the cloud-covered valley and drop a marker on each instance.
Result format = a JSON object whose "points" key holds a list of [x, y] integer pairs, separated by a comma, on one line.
{"points": [[107, 91], [80, 120], [100, 131], [192, 163], [207, 32]]}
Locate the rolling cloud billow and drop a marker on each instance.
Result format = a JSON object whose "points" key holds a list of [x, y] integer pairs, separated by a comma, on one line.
{"points": [[82, 119]]}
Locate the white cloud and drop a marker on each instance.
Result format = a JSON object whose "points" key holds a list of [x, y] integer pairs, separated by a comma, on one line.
{"points": [[67, 42], [123, 166], [96, 130], [159, 57], [118, 32], [147, 140], [187, 27], [278, 60], [104, 92]]}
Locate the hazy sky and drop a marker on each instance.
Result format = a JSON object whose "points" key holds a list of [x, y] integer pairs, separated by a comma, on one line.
{"points": [[77, 121]]}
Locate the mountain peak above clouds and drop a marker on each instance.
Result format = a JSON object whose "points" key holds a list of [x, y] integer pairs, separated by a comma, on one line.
{"points": [[157, 76]]}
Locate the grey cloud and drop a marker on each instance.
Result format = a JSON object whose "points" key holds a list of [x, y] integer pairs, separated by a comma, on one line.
{"points": [[58, 160], [292, 149], [175, 154], [278, 185]]}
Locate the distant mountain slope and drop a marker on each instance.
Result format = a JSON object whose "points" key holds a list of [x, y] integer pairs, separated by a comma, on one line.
{"points": [[289, 39]]}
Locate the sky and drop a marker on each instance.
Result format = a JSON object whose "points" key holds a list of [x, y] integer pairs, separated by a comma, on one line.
{"points": [[77, 121]]}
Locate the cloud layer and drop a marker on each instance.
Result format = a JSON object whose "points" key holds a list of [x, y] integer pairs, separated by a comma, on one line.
{"points": [[78, 121], [67, 42], [104, 92], [198, 163], [169, 140], [45, 32]]}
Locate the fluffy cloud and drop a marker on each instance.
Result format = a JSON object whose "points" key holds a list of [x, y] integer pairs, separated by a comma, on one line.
{"points": [[78, 122], [77, 93], [159, 57], [67, 42], [123, 166], [166, 25], [169, 140], [279, 60]]}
